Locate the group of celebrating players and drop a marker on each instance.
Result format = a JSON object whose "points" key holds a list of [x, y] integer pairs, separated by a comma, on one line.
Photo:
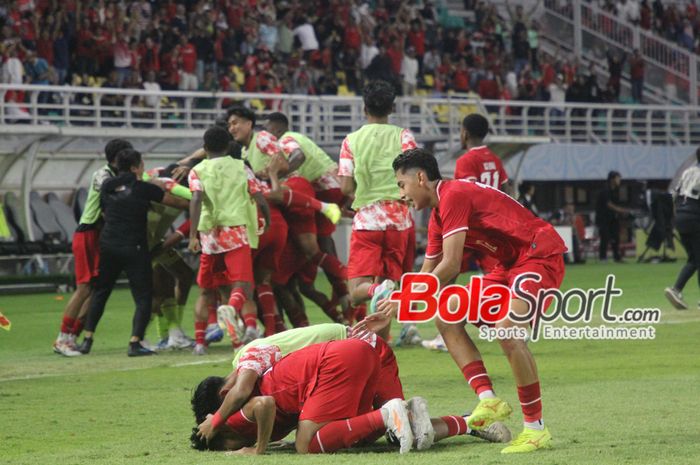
{"points": [[263, 205]]}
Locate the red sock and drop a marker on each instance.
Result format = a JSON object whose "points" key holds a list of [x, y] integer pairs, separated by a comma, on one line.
{"points": [[331, 310], [476, 376], [279, 324], [455, 425], [200, 328], [237, 299], [530, 402], [360, 312], [67, 325], [339, 286], [211, 314], [331, 265], [250, 320], [372, 288], [297, 199], [78, 326], [266, 299], [341, 434]]}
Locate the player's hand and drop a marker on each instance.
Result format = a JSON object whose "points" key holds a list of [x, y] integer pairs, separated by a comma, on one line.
{"points": [[388, 307], [180, 173], [374, 323], [206, 430], [194, 245], [244, 451]]}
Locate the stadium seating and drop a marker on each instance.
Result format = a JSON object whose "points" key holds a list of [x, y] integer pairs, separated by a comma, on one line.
{"points": [[64, 216]]}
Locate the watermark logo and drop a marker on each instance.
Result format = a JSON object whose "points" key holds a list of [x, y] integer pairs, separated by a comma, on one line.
{"points": [[421, 300]]}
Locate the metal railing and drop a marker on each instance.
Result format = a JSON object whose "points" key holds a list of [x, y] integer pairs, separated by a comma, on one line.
{"points": [[328, 119], [671, 71]]}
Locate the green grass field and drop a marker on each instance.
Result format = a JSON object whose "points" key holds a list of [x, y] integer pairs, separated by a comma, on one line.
{"points": [[605, 402]]}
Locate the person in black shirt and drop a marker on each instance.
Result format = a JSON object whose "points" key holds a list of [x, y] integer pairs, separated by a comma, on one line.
{"points": [[607, 213], [125, 201]]}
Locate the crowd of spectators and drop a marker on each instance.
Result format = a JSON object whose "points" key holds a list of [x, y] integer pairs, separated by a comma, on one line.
{"points": [[298, 46]]}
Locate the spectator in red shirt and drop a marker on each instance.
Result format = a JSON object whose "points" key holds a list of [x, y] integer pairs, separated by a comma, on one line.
{"points": [[149, 56], [489, 87], [352, 39], [636, 64], [460, 78], [416, 39], [187, 65], [395, 53]]}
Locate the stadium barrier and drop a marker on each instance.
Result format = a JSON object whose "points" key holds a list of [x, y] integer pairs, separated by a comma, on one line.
{"points": [[328, 119]]}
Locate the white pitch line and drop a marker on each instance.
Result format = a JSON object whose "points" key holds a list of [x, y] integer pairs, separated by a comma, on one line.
{"points": [[54, 375]]}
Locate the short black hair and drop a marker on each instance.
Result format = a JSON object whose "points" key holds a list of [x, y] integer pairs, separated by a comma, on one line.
{"points": [[378, 97], [613, 174], [206, 399], [420, 159], [241, 112], [216, 140], [127, 159], [201, 444], [115, 146], [280, 118], [476, 125]]}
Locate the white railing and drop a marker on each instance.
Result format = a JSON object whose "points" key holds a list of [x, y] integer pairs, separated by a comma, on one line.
{"points": [[585, 28], [328, 119]]}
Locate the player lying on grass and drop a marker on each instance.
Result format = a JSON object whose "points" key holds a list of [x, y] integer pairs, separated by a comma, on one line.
{"points": [[472, 216]]}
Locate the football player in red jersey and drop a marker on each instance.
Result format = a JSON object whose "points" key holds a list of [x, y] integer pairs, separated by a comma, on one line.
{"points": [[479, 163], [473, 216]]}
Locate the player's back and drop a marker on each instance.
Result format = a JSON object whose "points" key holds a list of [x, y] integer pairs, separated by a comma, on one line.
{"points": [[496, 223], [482, 165]]}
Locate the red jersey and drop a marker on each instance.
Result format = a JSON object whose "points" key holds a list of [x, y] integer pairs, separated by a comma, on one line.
{"points": [[248, 429], [188, 55], [482, 165], [495, 224]]}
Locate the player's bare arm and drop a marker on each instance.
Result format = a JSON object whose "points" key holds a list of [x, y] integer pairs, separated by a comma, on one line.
{"points": [[347, 185], [234, 400]]}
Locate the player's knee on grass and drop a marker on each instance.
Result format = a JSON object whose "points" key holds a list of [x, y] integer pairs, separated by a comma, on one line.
{"points": [[305, 432]]}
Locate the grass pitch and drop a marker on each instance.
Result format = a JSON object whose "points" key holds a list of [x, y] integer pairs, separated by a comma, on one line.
{"points": [[616, 402]]}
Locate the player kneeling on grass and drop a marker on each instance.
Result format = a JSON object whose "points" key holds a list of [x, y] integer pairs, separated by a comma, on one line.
{"points": [[302, 392], [472, 216], [261, 355]]}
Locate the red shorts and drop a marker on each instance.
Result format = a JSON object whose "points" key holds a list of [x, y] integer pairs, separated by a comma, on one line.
{"points": [[410, 258], [377, 253], [225, 268], [300, 220], [340, 377], [272, 243], [293, 262], [551, 269], [388, 384], [86, 254]]}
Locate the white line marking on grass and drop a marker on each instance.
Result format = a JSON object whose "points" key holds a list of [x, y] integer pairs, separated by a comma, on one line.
{"points": [[54, 375]]}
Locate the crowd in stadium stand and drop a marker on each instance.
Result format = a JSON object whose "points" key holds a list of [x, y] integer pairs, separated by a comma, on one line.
{"points": [[675, 21], [301, 47]]}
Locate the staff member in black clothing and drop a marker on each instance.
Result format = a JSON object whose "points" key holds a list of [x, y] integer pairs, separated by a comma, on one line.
{"points": [[125, 201], [607, 212], [688, 226]]}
